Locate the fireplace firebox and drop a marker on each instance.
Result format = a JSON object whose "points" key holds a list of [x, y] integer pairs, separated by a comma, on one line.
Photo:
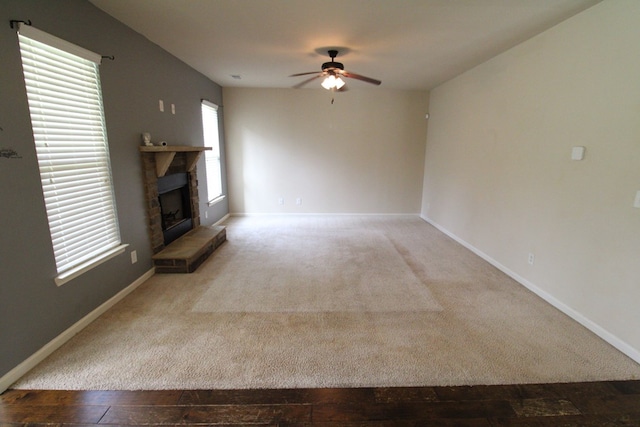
{"points": [[175, 206]]}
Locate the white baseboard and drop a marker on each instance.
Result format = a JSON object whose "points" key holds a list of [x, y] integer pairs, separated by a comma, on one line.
{"points": [[612, 339], [259, 214], [221, 220], [24, 367]]}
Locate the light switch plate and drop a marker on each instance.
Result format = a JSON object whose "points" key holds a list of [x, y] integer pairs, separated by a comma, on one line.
{"points": [[577, 153], [636, 202]]}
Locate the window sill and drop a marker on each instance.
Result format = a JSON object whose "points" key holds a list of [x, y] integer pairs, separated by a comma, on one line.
{"points": [[216, 200], [83, 268]]}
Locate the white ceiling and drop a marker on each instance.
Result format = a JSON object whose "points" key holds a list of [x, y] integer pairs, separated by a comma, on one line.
{"points": [[408, 44]]}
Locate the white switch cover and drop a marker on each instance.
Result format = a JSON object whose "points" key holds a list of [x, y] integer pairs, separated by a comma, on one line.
{"points": [[161, 105], [577, 153], [299, 201], [134, 257], [636, 202], [173, 108]]}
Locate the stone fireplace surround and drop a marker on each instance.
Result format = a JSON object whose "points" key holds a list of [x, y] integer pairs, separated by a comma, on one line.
{"points": [[178, 164], [186, 253]]}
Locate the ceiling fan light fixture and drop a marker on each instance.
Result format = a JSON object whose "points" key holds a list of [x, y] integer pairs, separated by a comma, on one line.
{"points": [[333, 72], [331, 82]]}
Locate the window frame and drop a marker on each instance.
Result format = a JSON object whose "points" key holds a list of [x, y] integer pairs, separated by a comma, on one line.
{"points": [[214, 155], [62, 81]]}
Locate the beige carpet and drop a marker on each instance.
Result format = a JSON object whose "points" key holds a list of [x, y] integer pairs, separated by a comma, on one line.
{"points": [[326, 301]]}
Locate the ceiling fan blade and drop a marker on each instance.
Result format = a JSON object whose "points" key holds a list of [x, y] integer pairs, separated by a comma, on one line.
{"points": [[304, 74], [304, 82], [359, 77]]}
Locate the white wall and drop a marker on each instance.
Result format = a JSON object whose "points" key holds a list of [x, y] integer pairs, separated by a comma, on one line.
{"points": [[499, 174], [362, 154]]}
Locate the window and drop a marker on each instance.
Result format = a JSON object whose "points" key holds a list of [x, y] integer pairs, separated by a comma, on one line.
{"points": [[65, 104], [212, 157]]}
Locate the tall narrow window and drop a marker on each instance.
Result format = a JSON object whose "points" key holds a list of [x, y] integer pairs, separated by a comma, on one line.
{"points": [[212, 157], [65, 103]]}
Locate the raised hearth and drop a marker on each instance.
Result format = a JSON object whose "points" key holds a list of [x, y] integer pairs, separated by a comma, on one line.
{"points": [[189, 251]]}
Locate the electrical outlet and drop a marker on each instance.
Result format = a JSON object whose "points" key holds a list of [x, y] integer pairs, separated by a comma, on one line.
{"points": [[281, 200], [206, 214], [134, 257], [636, 202], [173, 108], [299, 201], [532, 259]]}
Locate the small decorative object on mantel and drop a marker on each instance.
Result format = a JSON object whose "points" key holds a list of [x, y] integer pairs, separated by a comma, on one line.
{"points": [[161, 143], [146, 139]]}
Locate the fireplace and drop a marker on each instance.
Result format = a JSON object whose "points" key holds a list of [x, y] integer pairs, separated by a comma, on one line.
{"points": [[175, 206], [171, 197], [171, 192]]}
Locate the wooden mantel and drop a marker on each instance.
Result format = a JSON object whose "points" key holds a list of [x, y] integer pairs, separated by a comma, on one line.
{"points": [[165, 154]]}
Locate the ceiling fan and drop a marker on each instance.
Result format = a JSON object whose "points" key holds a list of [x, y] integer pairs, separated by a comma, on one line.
{"points": [[333, 72]]}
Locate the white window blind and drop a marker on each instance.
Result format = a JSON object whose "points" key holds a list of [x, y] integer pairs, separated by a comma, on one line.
{"points": [[65, 103], [212, 157]]}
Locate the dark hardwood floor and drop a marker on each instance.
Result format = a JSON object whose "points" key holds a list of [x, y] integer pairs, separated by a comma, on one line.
{"points": [[613, 403]]}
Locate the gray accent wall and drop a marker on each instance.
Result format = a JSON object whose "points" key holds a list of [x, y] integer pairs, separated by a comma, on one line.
{"points": [[33, 310]]}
